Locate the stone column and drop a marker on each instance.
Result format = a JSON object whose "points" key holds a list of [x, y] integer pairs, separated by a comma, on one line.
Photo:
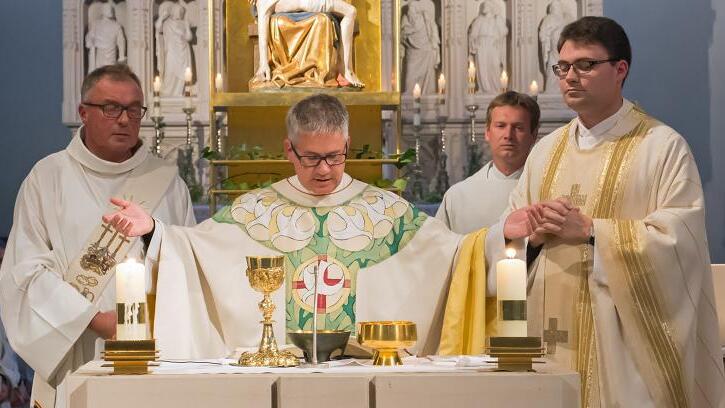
{"points": [[72, 59], [525, 45]]}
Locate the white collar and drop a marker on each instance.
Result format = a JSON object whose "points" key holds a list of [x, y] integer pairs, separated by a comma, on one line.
{"points": [[590, 138], [493, 172], [344, 182], [78, 150], [292, 189]]}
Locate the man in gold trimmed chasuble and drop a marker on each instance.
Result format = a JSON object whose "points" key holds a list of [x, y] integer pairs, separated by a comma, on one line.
{"points": [[380, 257], [620, 285]]}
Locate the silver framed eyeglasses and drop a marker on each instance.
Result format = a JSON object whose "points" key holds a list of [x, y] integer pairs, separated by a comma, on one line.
{"points": [[114, 110], [315, 160], [581, 67]]}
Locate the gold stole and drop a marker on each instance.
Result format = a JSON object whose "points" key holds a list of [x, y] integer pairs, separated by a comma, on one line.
{"points": [[569, 326], [90, 271]]}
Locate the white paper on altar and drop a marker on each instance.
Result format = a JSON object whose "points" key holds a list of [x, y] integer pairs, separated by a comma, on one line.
{"points": [[432, 364]]}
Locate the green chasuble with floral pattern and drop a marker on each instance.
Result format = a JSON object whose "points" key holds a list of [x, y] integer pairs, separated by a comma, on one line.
{"points": [[339, 240]]}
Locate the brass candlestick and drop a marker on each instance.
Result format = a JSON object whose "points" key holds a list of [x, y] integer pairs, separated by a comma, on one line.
{"points": [[266, 274]]}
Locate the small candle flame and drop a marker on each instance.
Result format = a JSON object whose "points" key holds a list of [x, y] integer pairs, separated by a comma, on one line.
{"points": [[510, 253]]}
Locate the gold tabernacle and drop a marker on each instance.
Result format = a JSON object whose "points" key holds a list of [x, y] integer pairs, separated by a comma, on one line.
{"points": [[385, 338], [266, 274], [130, 356], [515, 353]]}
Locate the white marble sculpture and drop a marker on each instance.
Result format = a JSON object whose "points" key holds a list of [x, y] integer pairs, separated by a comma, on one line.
{"points": [[419, 34], [487, 36], [105, 40], [173, 38], [265, 9], [551, 25]]}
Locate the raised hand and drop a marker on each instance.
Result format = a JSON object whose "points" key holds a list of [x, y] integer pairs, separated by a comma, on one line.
{"points": [[130, 220]]}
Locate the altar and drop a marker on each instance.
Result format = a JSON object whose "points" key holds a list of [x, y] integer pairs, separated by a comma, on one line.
{"points": [[420, 382]]}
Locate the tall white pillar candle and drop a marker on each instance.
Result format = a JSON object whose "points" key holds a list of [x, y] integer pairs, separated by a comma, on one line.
{"points": [[131, 300], [511, 296]]}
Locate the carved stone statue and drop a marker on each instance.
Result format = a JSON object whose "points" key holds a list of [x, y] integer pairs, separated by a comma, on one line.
{"points": [[339, 8], [487, 44], [419, 33], [105, 39], [173, 37], [549, 32]]}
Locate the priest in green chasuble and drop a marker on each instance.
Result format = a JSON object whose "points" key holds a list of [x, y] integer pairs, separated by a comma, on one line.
{"points": [[379, 257], [620, 285]]}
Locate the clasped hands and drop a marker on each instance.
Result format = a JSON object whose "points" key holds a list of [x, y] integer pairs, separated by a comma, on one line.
{"points": [[546, 220]]}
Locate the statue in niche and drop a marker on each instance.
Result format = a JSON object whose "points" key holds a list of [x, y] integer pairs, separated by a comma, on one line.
{"points": [[173, 49], [487, 36], [312, 59], [105, 39], [556, 18], [419, 34]]}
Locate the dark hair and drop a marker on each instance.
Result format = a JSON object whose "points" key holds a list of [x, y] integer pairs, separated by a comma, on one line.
{"points": [[320, 114], [512, 98], [116, 72], [599, 30]]}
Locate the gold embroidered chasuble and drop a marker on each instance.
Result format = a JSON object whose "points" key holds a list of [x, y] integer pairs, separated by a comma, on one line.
{"points": [[634, 313], [380, 258]]}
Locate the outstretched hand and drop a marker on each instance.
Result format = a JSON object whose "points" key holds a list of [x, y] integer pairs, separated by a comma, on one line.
{"points": [[130, 220]]}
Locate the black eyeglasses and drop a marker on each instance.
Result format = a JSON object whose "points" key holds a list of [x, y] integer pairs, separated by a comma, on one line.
{"points": [[114, 110], [581, 67], [314, 161]]}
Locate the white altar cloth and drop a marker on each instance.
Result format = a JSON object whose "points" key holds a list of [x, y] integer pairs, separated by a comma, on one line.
{"points": [[420, 382]]}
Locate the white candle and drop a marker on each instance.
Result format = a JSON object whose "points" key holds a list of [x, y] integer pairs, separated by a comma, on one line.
{"points": [[416, 91], [504, 80], [511, 296], [470, 99], [534, 89], [157, 84], [218, 82], [471, 77], [131, 300], [187, 75], [441, 84]]}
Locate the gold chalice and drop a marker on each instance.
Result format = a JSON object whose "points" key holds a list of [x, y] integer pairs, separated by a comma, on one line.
{"points": [[385, 338], [266, 274]]}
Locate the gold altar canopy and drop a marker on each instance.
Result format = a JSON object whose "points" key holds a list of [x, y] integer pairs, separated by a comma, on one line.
{"points": [[256, 119]]}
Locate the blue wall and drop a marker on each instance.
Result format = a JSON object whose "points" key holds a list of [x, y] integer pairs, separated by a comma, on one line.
{"points": [[677, 75], [31, 68]]}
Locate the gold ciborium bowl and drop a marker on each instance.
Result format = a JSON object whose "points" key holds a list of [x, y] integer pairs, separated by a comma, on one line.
{"points": [[265, 273], [385, 338], [327, 342]]}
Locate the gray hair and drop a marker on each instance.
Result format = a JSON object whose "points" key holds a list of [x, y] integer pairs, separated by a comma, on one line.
{"points": [[115, 72], [318, 114]]}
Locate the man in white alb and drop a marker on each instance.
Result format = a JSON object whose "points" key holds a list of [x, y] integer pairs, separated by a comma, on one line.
{"points": [[620, 284], [55, 304], [512, 124]]}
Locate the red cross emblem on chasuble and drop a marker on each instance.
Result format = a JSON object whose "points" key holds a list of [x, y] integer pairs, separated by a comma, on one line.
{"points": [[333, 284]]}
